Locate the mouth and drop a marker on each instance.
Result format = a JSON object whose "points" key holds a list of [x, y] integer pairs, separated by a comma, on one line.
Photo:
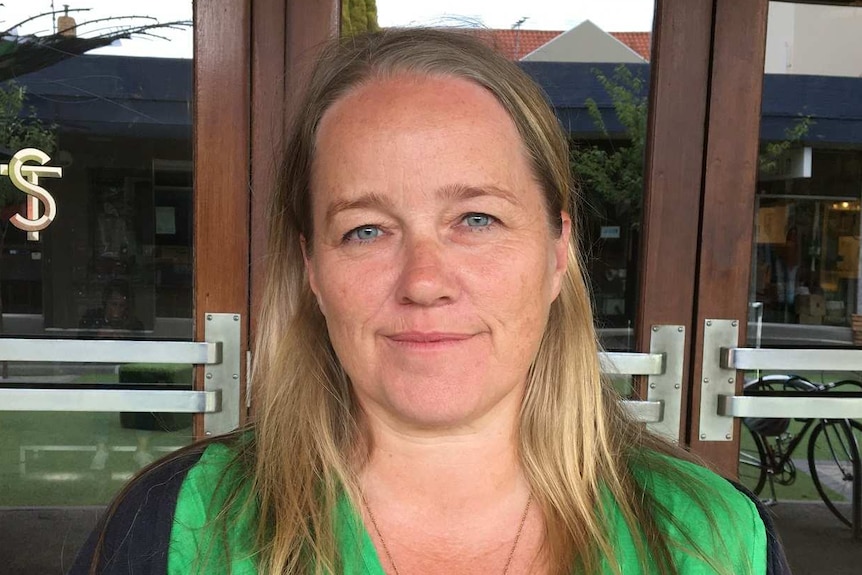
{"points": [[428, 339]]}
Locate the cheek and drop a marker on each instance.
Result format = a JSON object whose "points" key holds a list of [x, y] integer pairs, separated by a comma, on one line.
{"points": [[515, 288], [523, 271], [349, 292]]}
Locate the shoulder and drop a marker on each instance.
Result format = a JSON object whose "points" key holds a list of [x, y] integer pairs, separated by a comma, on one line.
{"points": [[214, 522], [701, 510], [678, 483], [205, 490], [212, 466], [134, 535]]}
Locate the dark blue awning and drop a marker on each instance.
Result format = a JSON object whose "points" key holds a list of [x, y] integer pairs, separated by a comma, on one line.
{"points": [[834, 104], [151, 97], [114, 96]]}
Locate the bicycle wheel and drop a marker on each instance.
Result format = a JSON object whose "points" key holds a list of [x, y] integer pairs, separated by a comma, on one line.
{"points": [[774, 426], [752, 460], [846, 385], [832, 450]]}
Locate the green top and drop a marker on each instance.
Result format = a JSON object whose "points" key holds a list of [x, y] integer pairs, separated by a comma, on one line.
{"points": [[737, 519]]}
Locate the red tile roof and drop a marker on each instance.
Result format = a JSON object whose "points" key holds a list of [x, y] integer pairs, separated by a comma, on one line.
{"points": [[640, 42], [516, 44]]}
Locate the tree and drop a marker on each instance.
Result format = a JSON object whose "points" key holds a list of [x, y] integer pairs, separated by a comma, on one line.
{"points": [[21, 55], [358, 16], [614, 172], [19, 128], [772, 152]]}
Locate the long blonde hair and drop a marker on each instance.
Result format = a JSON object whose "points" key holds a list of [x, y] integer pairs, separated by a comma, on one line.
{"points": [[575, 443]]}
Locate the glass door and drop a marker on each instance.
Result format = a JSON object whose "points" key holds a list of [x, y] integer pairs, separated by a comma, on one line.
{"points": [[106, 245], [751, 226]]}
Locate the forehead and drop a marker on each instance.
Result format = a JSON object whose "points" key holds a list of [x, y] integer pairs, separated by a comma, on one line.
{"points": [[411, 125], [402, 93]]}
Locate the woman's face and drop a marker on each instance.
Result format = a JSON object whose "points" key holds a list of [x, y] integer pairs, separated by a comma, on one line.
{"points": [[433, 259]]}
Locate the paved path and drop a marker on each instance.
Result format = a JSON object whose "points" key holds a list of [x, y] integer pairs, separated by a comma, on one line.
{"points": [[816, 542]]}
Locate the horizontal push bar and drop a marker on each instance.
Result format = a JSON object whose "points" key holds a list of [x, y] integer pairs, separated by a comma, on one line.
{"points": [[789, 360], [819, 407], [131, 400], [617, 363], [645, 411], [110, 351]]}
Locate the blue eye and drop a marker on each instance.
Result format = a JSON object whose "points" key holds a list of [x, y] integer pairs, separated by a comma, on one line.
{"points": [[478, 220], [362, 234]]}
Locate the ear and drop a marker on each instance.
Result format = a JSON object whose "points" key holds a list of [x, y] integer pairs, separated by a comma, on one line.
{"points": [[309, 271], [561, 254]]}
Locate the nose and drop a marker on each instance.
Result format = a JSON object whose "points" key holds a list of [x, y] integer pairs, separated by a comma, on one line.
{"points": [[427, 275]]}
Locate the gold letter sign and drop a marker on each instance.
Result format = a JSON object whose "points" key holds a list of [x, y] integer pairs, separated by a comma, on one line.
{"points": [[26, 178]]}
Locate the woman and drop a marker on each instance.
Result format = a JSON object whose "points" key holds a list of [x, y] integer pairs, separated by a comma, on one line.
{"points": [[428, 389]]}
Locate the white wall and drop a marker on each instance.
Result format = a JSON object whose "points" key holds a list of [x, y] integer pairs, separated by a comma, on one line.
{"points": [[814, 39], [585, 42], [779, 37]]}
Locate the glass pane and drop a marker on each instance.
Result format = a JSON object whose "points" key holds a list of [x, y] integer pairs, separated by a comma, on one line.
{"points": [[579, 55], [95, 239], [805, 264], [804, 289]]}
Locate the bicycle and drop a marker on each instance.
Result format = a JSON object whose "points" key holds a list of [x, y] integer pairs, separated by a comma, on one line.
{"points": [[833, 451]]}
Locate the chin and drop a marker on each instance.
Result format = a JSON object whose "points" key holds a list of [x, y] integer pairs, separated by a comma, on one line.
{"points": [[434, 405]]}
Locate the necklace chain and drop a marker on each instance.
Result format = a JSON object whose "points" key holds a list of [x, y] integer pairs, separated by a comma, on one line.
{"points": [[392, 561]]}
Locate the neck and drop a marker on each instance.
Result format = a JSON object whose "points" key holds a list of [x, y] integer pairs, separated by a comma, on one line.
{"points": [[450, 501], [445, 470]]}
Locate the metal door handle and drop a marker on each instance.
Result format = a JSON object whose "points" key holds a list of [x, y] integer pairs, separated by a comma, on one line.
{"points": [[645, 411], [110, 351], [131, 400], [615, 363], [836, 407], [791, 359], [663, 366], [220, 353], [722, 359]]}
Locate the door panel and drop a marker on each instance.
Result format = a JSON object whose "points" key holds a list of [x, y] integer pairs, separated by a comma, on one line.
{"points": [[729, 177], [116, 262], [149, 240], [772, 223]]}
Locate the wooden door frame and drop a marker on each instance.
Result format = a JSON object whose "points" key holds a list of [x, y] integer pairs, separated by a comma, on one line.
{"points": [[221, 168], [701, 169], [673, 172], [249, 61], [285, 39], [730, 178]]}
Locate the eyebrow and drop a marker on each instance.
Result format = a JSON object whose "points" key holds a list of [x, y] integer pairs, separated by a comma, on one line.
{"points": [[463, 192], [365, 201], [453, 192]]}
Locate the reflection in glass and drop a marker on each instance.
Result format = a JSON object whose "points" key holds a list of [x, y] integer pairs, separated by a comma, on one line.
{"points": [[116, 262], [805, 261], [59, 459]]}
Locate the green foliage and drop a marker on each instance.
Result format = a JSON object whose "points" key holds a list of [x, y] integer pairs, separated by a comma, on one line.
{"points": [[773, 151], [614, 173], [358, 16], [19, 131]]}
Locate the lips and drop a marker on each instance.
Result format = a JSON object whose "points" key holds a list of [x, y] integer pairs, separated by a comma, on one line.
{"points": [[427, 341], [428, 337]]}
